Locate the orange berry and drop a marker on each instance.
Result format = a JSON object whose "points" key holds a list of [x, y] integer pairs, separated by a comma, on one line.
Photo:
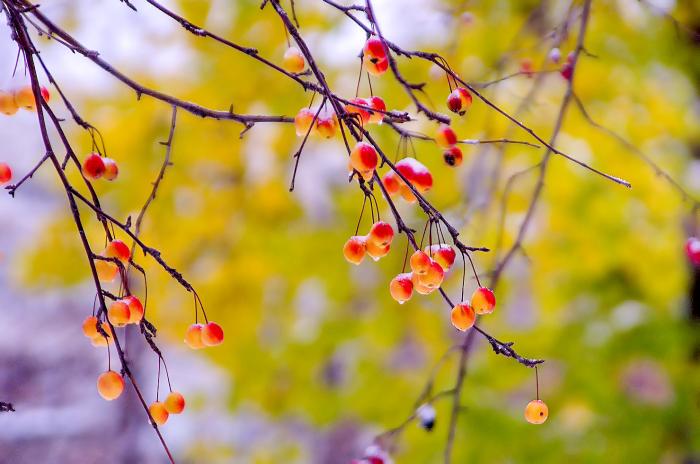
{"points": [[419, 287], [327, 125], [353, 108], [446, 136], [111, 169], [376, 252], [212, 334], [193, 337], [459, 100], [536, 412], [158, 412], [443, 254], [376, 68], [374, 49], [99, 339], [354, 249], [483, 300], [24, 98], [293, 60], [135, 309], [377, 104], [433, 276], [407, 194], [8, 106], [118, 313], [90, 327], [392, 183], [303, 121], [5, 173], [363, 158], [453, 156], [381, 233], [463, 316], [175, 403], [401, 287], [93, 166], [420, 263], [110, 385], [118, 249], [106, 270]]}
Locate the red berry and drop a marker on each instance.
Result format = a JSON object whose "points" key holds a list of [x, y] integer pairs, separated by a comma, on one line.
{"points": [[110, 385], [401, 287], [93, 166], [692, 249], [483, 300], [118, 249], [463, 316], [5, 173], [135, 309], [212, 334], [193, 337], [567, 71], [354, 249], [443, 254], [374, 49], [453, 156], [446, 136], [377, 104], [363, 158], [303, 120], [459, 100], [354, 107], [381, 233]]}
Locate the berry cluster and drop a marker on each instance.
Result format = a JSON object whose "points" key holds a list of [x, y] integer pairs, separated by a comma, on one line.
{"points": [[447, 139], [370, 110], [692, 250], [376, 243], [199, 336], [428, 270], [415, 172], [463, 315], [160, 411], [325, 126], [96, 167], [22, 97], [106, 268]]}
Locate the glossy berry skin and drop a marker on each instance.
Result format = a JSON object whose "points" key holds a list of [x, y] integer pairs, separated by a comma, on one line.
{"points": [[401, 287], [377, 104], [106, 270], [118, 313], [381, 233], [391, 183], [416, 173], [93, 166], [193, 337], [374, 49], [463, 317], [377, 68], [90, 327], [135, 309], [174, 403], [376, 252], [354, 107], [445, 136], [158, 413], [212, 334], [453, 156], [326, 126], [8, 106], [110, 385], [293, 60], [443, 254], [363, 159], [24, 98], [434, 276], [536, 412], [483, 301], [420, 263], [303, 121], [692, 250], [118, 249], [420, 287], [459, 100], [354, 249], [111, 169], [5, 173]]}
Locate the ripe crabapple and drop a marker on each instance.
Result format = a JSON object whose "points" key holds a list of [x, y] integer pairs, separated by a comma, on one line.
{"points": [[303, 121], [401, 287], [135, 309], [110, 385], [375, 56], [326, 125], [174, 403], [433, 277], [363, 158], [293, 60], [158, 412], [376, 252], [692, 250], [443, 254], [8, 106], [93, 166], [24, 97], [90, 327], [212, 334], [567, 71], [354, 249], [111, 169], [106, 270], [483, 300], [420, 263], [378, 68], [381, 233], [446, 136], [453, 156], [391, 183], [462, 316], [420, 287], [459, 100], [5, 173], [377, 104], [119, 313], [193, 337], [354, 107], [536, 412], [118, 249]]}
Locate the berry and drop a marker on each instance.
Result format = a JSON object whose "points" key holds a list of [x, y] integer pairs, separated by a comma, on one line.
{"points": [[135, 309], [354, 249], [111, 169], [24, 97], [352, 108], [446, 136], [420, 263], [378, 68], [93, 166], [303, 120], [433, 277], [118, 249], [8, 106], [463, 316], [483, 301], [555, 55], [106, 270], [381, 233], [692, 250], [453, 156], [443, 254], [416, 173], [158, 412], [567, 71], [391, 183], [110, 385], [374, 49], [377, 104], [459, 100], [175, 403], [45, 94], [363, 158], [376, 252], [90, 327], [212, 334], [118, 313], [193, 337], [401, 287], [293, 60], [420, 287], [536, 412], [99, 339], [5, 173], [327, 125], [526, 67], [426, 416]]}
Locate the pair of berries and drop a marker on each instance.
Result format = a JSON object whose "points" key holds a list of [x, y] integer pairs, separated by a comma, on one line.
{"points": [[199, 336], [375, 56], [446, 138], [415, 172], [96, 166], [360, 107], [108, 270], [5, 173], [428, 270], [364, 160], [376, 243], [90, 330], [326, 125], [160, 411], [23, 97], [692, 250], [128, 310], [463, 315]]}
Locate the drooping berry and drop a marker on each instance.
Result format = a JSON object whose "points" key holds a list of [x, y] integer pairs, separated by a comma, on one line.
{"points": [[110, 385], [118, 249], [420, 287], [459, 100], [377, 104], [24, 97], [375, 56], [93, 166], [462, 316], [118, 313], [483, 300], [536, 412], [363, 158], [5, 173], [376, 252], [106, 270], [174, 403], [354, 249], [692, 250], [433, 277], [293, 60], [303, 121], [401, 287], [420, 263], [453, 156], [193, 337], [90, 327], [355, 107], [445, 136], [111, 169], [8, 106], [158, 412], [212, 334], [326, 124], [135, 309], [391, 183], [443, 254], [381, 233]]}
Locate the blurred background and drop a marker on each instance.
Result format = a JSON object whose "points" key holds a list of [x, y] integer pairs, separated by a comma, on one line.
{"points": [[318, 358]]}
